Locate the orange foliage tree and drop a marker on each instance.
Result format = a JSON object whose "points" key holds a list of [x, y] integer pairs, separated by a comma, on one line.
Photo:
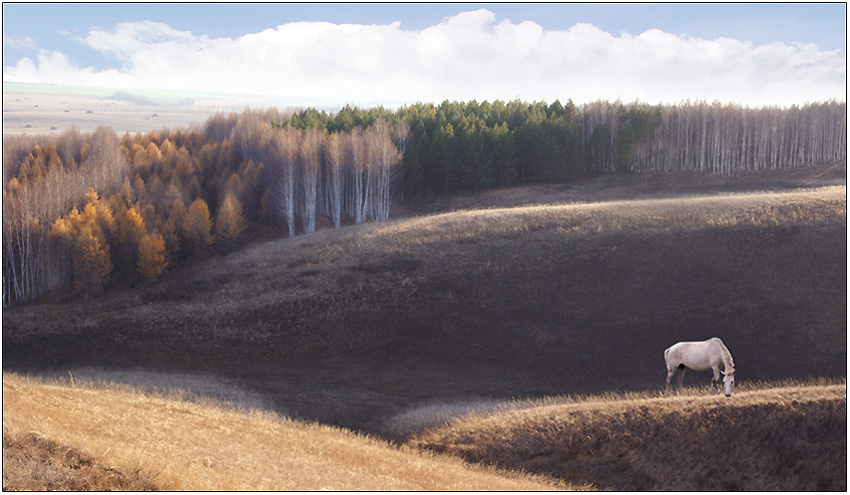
{"points": [[230, 223], [152, 259], [197, 227], [91, 260]]}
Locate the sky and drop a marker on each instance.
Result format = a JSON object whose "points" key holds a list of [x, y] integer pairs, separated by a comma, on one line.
{"points": [[390, 54]]}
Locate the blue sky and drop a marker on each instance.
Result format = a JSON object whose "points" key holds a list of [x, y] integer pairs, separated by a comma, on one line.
{"points": [[742, 52]]}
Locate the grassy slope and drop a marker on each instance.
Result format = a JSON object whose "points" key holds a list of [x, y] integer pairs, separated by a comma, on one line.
{"points": [[83, 437], [521, 301], [34, 463], [788, 438]]}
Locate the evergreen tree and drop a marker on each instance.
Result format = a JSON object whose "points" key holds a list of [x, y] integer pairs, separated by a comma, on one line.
{"points": [[504, 155]]}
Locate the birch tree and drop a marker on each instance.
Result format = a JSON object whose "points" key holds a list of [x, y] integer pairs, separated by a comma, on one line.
{"points": [[310, 160], [385, 156], [284, 146], [359, 182], [335, 156]]}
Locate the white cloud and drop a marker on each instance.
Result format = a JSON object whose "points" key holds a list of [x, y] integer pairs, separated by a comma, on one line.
{"points": [[472, 55], [54, 68], [19, 41]]}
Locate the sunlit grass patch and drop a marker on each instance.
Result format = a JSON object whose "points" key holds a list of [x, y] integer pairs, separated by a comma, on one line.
{"points": [[174, 444]]}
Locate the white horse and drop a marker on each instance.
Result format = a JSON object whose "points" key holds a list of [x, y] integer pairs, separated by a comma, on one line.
{"points": [[700, 356]]}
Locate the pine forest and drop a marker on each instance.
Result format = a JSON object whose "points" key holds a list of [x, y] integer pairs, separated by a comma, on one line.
{"points": [[83, 213]]}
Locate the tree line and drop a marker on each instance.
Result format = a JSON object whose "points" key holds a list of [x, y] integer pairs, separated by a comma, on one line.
{"points": [[83, 212], [727, 140], [458, 146]]}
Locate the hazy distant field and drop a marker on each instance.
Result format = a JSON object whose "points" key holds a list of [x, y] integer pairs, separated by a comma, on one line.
{"points": [[51, 110]]}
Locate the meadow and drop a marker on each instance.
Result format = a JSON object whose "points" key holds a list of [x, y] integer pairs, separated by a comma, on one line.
{"points": [[463, 303], [771, 437], [95, 436], [75, 434]]}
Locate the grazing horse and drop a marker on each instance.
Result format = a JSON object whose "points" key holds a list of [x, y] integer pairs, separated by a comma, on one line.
{"points": [[700, 356]]}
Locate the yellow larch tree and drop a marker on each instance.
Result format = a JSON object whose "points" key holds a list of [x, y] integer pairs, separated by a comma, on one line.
{"points": [[91, 261], [197, 227], [152, 259], [130, 232], [230, 223]]}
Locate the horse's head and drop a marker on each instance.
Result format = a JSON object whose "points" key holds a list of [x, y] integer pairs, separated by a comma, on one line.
{"points": [[729, 381]]}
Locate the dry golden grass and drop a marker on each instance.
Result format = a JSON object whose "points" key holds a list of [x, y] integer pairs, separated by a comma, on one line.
{"points": [[33, 463], [381, 263], [618, 187], [789, 436], [524, 301], [563, 222], [350, 325], [177, 445]]}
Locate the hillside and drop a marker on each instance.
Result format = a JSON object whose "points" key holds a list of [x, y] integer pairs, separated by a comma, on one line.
{"points": [[349, 325], [84, 437], [791, 437]]}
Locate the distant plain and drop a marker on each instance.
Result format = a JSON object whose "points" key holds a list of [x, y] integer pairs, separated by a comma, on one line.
{"points": [[45, 110]]}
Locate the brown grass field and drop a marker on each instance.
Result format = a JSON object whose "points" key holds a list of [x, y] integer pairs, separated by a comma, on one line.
{"points": [[789, 437], [66, 435], [463, 302], [86, 437]]}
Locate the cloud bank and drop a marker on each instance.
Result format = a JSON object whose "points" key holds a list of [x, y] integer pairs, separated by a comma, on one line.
{"points": [[471, 55]]}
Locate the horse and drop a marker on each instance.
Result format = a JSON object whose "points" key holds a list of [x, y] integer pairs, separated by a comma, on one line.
{"points": [[700, 356]]}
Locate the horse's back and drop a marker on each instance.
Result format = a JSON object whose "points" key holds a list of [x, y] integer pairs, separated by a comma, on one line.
{"points": [[673, 354], [695, 355]]}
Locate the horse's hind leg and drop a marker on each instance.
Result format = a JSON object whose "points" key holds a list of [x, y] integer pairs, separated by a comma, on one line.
{"points": [[670, 373], [681, 375]]}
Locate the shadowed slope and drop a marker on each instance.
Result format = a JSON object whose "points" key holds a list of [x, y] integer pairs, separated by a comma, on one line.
{"points": [[775, 439]]}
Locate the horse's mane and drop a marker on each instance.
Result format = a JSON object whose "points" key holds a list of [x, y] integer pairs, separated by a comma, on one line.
{"points": [[727, 357]]}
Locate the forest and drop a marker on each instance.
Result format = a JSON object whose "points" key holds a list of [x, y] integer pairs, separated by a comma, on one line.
{"points": [[83, 213]]}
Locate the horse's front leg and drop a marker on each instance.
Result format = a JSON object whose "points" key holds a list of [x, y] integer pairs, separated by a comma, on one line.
{"points": [[715, 380]]}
